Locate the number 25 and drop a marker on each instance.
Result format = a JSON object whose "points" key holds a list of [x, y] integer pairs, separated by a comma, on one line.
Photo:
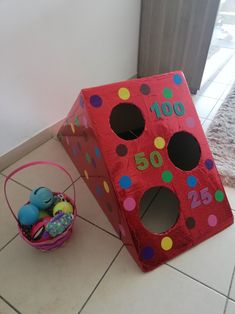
{"points": [[205, 197]]}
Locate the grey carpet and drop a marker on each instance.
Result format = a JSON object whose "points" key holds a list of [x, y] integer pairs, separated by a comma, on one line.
{"points": [[221, 137]]}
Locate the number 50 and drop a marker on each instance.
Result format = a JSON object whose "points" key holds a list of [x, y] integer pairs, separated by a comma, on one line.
{"points": [[143, 163]]}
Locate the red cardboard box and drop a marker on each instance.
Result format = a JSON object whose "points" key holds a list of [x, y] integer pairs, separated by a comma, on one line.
{"points": [[141, 138]]}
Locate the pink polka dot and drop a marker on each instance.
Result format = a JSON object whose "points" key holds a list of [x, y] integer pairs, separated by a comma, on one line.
{"points": [[122, 230], [67, 140], [85, 123], [129, 204], [190, 122], [212, 220]]}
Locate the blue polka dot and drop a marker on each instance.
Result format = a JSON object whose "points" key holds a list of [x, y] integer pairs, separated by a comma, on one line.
{"points": [[75, 150], [99, 190], [209, 164], [97, 152], [96, 101], [81, 101], [93, 162], [177, 79], [125, 182], [191, 181], [147, 253]]}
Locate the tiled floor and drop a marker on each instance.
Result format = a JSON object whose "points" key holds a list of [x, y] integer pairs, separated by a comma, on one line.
{"points": [[94, 273]]}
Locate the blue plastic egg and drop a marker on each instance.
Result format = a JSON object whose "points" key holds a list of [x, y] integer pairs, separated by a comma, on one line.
{"points": [[28, 215], [42, 198]]}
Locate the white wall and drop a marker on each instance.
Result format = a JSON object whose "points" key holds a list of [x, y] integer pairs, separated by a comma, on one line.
{"points": [[50, 49]]}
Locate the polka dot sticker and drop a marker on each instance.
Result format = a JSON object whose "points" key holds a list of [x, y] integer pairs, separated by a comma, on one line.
{"points": [[167, 92], [97, 152], [212, 220], [166, 243], [76, 121], [86, 174], [124, 93], [125, 182], [190, 222], [106, 187], [75, 151], [122, 230], [191, 181], [159, 142], [177, 79], [81, 101], [219, 196], [85, 123], [99, 190], [96, 101], [145, 89], [88, 158], [129, 204], [147, 253], [167, 176], [121, 150], [190, 122], [72, 127], [67, 140], [93, 162], [209, 164]]}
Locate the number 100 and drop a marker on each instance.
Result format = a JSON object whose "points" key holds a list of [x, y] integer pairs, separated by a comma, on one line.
{"points": [[167, 109]]}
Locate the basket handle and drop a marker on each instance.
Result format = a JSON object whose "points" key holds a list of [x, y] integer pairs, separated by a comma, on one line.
{"points": [[30, 164]]}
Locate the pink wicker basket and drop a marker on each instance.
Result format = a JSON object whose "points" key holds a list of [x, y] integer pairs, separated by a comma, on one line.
{"points": [[58, 241]]}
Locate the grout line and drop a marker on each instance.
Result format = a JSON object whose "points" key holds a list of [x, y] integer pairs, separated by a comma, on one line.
{"points": [[8, 303], [198, 281], [151, 202], [92, 223], [229, 289], [101, 279], [5, 245], [72, 184]]}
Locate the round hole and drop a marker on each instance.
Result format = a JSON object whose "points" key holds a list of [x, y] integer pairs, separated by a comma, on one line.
{"points": [[127, 121], [159, 209], [184, 151]]}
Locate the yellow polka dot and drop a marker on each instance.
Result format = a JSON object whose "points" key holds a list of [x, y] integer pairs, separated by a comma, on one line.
{"points": [[86, 174], [106, 187], [159, 142], [72, 127], [166, 243], [123, 93]]}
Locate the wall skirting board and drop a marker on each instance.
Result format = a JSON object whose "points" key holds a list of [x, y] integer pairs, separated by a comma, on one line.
{"points": [[26, 147]]}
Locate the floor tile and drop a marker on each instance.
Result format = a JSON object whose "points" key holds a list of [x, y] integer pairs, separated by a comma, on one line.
{"points": [[17, 196], [125, 289], [214, 111], [88, 207], [226, 92], [230, 307], [5, 308], [206, 125], [230, 192], [210, 262], [214, 90], [60, 281], [204, 105], [232, 292], [225, 77], [46, 175]]}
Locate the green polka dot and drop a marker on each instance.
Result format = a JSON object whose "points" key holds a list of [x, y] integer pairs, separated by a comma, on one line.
{"points": [[219, 196], [88, 158], [167, 92], [76, 121], [167, 176]]}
